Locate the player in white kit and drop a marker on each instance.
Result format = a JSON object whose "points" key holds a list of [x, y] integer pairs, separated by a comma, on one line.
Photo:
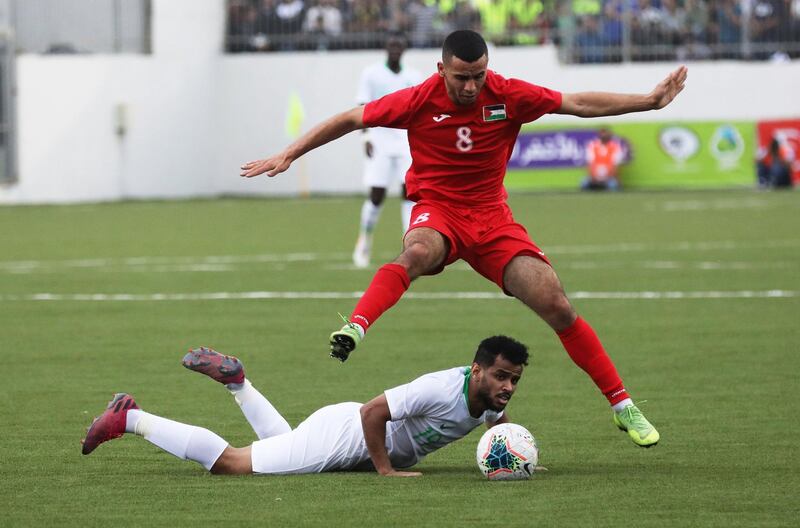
{"points": [[390, 433], [388, 155]]}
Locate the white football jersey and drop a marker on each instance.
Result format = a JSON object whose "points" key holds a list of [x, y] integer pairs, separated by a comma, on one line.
{"points": [[426, 414], [376, 81], [429, 413]]}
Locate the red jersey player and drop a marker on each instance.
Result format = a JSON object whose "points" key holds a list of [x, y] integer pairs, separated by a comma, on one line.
{"points": [[462, 124]]}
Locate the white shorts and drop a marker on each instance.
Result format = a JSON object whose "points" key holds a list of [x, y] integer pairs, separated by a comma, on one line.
{"points": [[329, 439], [385, 171]]}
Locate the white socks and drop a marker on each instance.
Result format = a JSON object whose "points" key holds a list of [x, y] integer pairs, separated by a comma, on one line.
{"points": [[369, 217], [620, 406], [370, 213], [405, 213], [199, 444], [265, 420], [182, 440]]}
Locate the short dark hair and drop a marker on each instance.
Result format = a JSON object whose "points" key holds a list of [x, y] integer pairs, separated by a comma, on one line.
{"points": [[500, 345], [465, 44]]}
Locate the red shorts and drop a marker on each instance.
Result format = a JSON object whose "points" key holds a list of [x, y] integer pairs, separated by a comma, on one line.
{"points": [[486, 238]]}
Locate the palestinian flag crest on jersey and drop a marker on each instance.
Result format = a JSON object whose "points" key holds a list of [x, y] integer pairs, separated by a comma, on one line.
{"points": [[494, 112]]}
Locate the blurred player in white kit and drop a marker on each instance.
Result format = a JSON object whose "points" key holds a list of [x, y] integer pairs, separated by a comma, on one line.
{"points": [[388, 155]]}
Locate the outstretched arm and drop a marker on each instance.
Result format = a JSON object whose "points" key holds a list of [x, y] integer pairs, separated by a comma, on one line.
{"points": [[374, 415], [599, 104], [325, 132]]}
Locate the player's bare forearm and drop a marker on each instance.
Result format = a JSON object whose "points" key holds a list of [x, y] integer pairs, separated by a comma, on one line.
{"points": [[502, 419], [374, 416], [600, 104], [325, 132]]}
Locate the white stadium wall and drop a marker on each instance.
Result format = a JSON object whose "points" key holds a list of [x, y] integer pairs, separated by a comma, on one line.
{"points": [[179, 122]]}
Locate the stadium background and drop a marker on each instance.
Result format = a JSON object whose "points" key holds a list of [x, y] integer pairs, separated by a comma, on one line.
{"points": [[177, 118], [694, 292]]}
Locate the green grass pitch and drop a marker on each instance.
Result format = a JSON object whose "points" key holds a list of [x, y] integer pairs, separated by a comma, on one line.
{"points": [[717, 361]]}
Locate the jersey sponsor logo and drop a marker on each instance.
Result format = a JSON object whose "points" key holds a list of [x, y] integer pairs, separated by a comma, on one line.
{"points": [[423, 217], [494, 112], [441, 117]]}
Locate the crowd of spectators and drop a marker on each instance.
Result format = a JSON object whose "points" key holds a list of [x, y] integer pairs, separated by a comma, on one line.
{"points": [[689, 30], [585, 30], [280, 25]]}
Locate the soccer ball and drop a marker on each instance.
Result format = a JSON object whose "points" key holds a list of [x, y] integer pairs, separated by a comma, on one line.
{"points": [[507, 452]]}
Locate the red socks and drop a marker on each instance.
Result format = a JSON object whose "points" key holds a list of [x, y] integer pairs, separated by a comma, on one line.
{"points": [[387, 286], [391, 282], [587, 352]]}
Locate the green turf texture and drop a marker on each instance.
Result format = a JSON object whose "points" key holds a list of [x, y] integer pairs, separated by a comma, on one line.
{"points": [[720, 376]]}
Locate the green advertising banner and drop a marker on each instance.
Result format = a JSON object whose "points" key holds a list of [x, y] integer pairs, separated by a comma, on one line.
{"points": [[661, 155]]}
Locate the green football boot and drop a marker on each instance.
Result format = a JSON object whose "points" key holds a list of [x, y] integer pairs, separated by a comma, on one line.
{"points": [[641, 431], [345, 340]]}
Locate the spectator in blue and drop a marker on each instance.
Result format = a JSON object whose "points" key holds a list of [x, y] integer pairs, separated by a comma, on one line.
{"points": [[589, 43], [612, 29], [729, 22]]}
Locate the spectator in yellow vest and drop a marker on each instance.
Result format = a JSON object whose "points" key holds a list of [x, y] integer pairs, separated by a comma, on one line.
{"points": [[586, 7], [494, 18], [511, 21], [526, 22]]}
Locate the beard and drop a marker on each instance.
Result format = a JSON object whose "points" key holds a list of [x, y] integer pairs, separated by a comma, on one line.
{"points": [[490, 402]]}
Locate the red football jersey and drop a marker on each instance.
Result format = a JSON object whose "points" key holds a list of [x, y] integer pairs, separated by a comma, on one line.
{"points": [[460, 152]]}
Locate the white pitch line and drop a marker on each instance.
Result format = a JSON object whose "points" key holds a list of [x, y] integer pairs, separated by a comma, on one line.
{"points": [[27, 266], [34, 266], [223, 296], [630, 247], [654, 295]]}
